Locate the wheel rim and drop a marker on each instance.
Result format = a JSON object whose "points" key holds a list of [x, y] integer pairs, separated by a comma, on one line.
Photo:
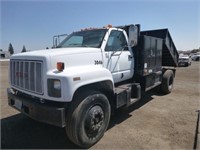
{"points": [[94, 121]]}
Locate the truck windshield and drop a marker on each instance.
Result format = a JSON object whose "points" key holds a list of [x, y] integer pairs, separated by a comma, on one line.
{"points": [[87, 38]]}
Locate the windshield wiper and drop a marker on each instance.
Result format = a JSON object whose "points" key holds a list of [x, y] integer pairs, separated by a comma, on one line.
{"points": [[74, 44], [85, 46], [79, 45]]}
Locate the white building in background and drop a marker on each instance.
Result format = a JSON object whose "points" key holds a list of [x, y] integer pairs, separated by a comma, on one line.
{"points": [[4, 55]]}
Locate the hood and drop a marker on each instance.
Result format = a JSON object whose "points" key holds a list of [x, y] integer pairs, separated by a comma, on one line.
{"points": [[70, 56], [58, 52]]}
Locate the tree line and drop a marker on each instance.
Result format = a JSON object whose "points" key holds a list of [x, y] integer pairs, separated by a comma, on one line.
{"points": [[11, 49]]}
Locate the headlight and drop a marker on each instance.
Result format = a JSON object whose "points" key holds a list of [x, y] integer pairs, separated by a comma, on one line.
{"points": [[57, 84], [54, 87]]}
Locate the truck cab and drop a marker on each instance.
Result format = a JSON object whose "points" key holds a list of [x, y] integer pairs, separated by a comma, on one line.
{"points": [[116, 54]]}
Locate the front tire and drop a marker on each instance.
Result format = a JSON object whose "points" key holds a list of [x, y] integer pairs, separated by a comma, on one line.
{"points": [[88, 118], [167, 82]]}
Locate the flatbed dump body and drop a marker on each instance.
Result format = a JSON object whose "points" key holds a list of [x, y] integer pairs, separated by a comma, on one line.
{"points": [[169, 51]]}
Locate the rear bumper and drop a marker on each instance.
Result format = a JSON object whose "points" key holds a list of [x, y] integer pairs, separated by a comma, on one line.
{"points": [[53, 115]]}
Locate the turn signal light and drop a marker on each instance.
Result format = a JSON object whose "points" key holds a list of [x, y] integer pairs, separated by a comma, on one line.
{"points": [[60, 66]]}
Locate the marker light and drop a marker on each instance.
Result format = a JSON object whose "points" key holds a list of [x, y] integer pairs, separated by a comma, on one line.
{"points": [[109, 26], [60, 66]]}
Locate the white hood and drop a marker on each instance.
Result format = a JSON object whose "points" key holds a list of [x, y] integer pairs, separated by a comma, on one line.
{"points": [[70, 56], [58, 51]]}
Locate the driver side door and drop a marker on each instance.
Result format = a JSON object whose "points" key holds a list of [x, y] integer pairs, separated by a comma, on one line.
{"points": [[118, 57]]}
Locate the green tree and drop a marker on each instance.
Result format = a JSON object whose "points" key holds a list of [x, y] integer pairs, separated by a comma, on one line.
{"points": [[10, 49], [23, 49], [195, 50]]}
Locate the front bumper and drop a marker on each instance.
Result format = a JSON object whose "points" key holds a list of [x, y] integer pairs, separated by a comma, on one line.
{"points": [[54, 115]]}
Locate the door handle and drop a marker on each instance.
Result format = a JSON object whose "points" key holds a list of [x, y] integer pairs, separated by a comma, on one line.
{"points": [[107, 55], [130, 56]]}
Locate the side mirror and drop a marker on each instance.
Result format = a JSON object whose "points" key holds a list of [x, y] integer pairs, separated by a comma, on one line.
{"points": [[133, 36]]}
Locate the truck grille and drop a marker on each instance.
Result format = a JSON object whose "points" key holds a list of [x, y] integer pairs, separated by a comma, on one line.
{"points": [[27, 75]]}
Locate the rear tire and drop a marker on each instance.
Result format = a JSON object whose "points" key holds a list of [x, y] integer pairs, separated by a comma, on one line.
{"points": [[167, 82], [88, 118]]}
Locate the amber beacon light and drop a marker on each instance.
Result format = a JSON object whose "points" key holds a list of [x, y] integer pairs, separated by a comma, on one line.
{"points": [[60, 66]]}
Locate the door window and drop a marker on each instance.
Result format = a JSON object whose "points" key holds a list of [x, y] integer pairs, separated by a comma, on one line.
{"points": [[116, 41]]}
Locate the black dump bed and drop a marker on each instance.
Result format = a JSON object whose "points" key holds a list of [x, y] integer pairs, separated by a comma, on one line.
{"points": [[169, 52]]}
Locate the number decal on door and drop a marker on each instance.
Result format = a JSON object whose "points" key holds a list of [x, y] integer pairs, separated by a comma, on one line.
{"points": [[98, 62]]}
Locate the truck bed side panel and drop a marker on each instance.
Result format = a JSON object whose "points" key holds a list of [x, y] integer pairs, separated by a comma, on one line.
{"points": [[169, 51], [148, 61]]}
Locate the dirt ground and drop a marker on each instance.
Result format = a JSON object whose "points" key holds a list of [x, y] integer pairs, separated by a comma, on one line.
{"points": [[155, 122]]}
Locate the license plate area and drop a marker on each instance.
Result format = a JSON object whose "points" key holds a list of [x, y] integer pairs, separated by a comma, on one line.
{"points": [[17, 104]]}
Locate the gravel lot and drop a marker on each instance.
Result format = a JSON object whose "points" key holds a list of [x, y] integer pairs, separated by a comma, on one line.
{"points": [[155, 122]]}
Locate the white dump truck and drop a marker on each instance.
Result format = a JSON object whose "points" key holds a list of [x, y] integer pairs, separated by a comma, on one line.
{"points": [[82, 81]]}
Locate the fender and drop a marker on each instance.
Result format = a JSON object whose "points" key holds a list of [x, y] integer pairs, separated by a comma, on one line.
{"points": [[73, 78]]}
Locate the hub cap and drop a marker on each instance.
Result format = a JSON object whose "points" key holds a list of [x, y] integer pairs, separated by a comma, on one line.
{"points": [[94, 121]]}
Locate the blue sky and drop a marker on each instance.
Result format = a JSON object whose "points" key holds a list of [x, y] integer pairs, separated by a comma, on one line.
{"points": [[33, 23]]}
